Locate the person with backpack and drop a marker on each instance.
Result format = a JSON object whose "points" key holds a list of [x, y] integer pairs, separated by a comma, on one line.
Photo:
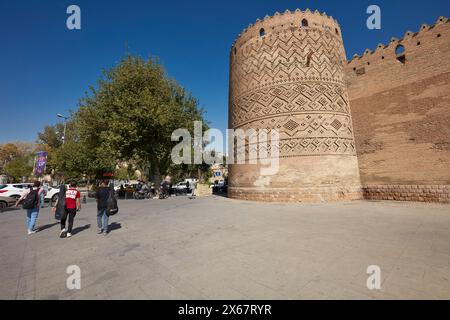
{"points": [[102, 196], [30, 200], [72, 206]]}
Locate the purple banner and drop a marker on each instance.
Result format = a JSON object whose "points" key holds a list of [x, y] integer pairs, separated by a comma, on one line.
{"points": [[41, 161]]}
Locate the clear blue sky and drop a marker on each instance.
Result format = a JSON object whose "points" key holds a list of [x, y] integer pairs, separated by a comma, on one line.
{"points": [[45, 68]]}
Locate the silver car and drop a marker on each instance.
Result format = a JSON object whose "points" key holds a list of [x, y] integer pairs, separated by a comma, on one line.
{"points": [[6, 202]]}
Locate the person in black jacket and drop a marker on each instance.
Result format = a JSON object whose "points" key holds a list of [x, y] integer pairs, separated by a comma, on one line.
{"points": [[102, 195]]}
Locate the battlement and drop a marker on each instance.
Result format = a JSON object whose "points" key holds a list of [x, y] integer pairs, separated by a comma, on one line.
{"points": [[418, 55], [387, 49], [288, 20]]}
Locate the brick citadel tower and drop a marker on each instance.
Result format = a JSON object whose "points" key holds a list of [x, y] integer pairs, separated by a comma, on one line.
{"points": [[287, 73]]}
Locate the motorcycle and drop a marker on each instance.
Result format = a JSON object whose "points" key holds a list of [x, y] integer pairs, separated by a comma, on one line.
{"points": [[140, 195], [163, 192]]}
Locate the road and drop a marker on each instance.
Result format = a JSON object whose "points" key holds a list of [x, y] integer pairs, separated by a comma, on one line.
{"points": [[218, 248]]}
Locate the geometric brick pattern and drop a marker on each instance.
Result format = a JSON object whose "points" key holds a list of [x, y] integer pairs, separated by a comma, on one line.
{"points": [[292, 80], [288, 75]]}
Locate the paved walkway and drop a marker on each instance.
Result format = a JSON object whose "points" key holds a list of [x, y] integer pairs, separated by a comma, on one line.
{"points": [[217, 248]]}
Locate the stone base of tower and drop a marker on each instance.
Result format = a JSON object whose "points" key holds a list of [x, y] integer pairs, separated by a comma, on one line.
{"points": [[306, 195], [324, 178]]}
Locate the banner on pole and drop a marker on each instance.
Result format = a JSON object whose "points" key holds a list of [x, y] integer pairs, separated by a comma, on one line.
{"points": [[41, 162]]}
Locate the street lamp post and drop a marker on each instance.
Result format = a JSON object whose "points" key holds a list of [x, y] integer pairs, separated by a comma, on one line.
{"points": [[65, 123]]}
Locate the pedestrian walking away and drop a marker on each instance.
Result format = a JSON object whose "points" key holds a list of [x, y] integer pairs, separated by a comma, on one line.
{"points": [[30, 200], [44, 192], [102, 196], [73, 205]]}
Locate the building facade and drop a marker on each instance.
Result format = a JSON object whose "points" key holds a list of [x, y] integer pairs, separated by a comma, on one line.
{"points": [[289, 72]]}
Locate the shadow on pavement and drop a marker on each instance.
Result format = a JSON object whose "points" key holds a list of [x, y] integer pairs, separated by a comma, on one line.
{"points": [[80, 229], [9, 209], [114, 226], [47, 226], [220, 194]]}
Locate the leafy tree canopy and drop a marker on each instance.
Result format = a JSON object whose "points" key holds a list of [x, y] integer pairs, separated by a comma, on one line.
{"points": [[132, 113]]}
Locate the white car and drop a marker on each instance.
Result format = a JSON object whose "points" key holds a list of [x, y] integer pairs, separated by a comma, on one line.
{"points": [[180, 186], [52, 194], [15, 190]]}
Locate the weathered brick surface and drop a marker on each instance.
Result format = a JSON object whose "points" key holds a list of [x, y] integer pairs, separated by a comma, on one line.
{"points": [[401, 114], [309, 195], [419, 193]]}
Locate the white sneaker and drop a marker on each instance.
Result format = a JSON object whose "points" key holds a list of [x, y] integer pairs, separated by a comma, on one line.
{"points": [[62, 234], [68, 235], [31, 231]]}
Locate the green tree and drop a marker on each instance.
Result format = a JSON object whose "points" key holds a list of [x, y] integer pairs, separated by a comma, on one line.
{"points": [[19, 167], [8, 152], [132, 114], [121, 173], [13, 150], [50, 139], [52, 136]]}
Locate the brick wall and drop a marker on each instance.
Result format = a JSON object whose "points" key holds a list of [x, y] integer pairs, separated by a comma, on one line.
{"points": [[308, 195], [422, 193], [401, 116]]}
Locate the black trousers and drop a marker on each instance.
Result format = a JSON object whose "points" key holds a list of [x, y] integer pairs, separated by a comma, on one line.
{"points": [[71, 213]]}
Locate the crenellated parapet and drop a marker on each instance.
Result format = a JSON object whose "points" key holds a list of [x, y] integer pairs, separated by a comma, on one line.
{"points": [[409, 41], [289, 19], [287, 48], [417, 55]]}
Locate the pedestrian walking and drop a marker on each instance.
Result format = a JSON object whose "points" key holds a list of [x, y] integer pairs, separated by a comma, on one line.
{"points": [[193, 185], [73, 205], [30, 200], [102, 196], [44, 192]]}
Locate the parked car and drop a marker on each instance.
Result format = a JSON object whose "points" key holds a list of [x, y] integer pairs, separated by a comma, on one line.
{"points": [[180, 188], [220, 188], [14, 190], [52, 195], [6, 202]]}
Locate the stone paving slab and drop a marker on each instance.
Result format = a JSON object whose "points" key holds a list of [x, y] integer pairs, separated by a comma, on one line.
{"points": [[218, 248]]}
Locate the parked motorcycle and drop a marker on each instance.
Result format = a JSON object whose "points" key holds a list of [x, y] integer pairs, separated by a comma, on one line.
{"points": [[164, 191], [140, 195]]}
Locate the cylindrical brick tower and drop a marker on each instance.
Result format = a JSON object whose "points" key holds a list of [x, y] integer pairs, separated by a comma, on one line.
{"points": [[287, 73]]}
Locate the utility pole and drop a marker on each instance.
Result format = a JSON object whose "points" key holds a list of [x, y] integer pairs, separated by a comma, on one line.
{"points": [[59, 115]]}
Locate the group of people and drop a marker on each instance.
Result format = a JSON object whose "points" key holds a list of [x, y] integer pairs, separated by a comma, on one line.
{"points": [[165, 189], [32, 200]]}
